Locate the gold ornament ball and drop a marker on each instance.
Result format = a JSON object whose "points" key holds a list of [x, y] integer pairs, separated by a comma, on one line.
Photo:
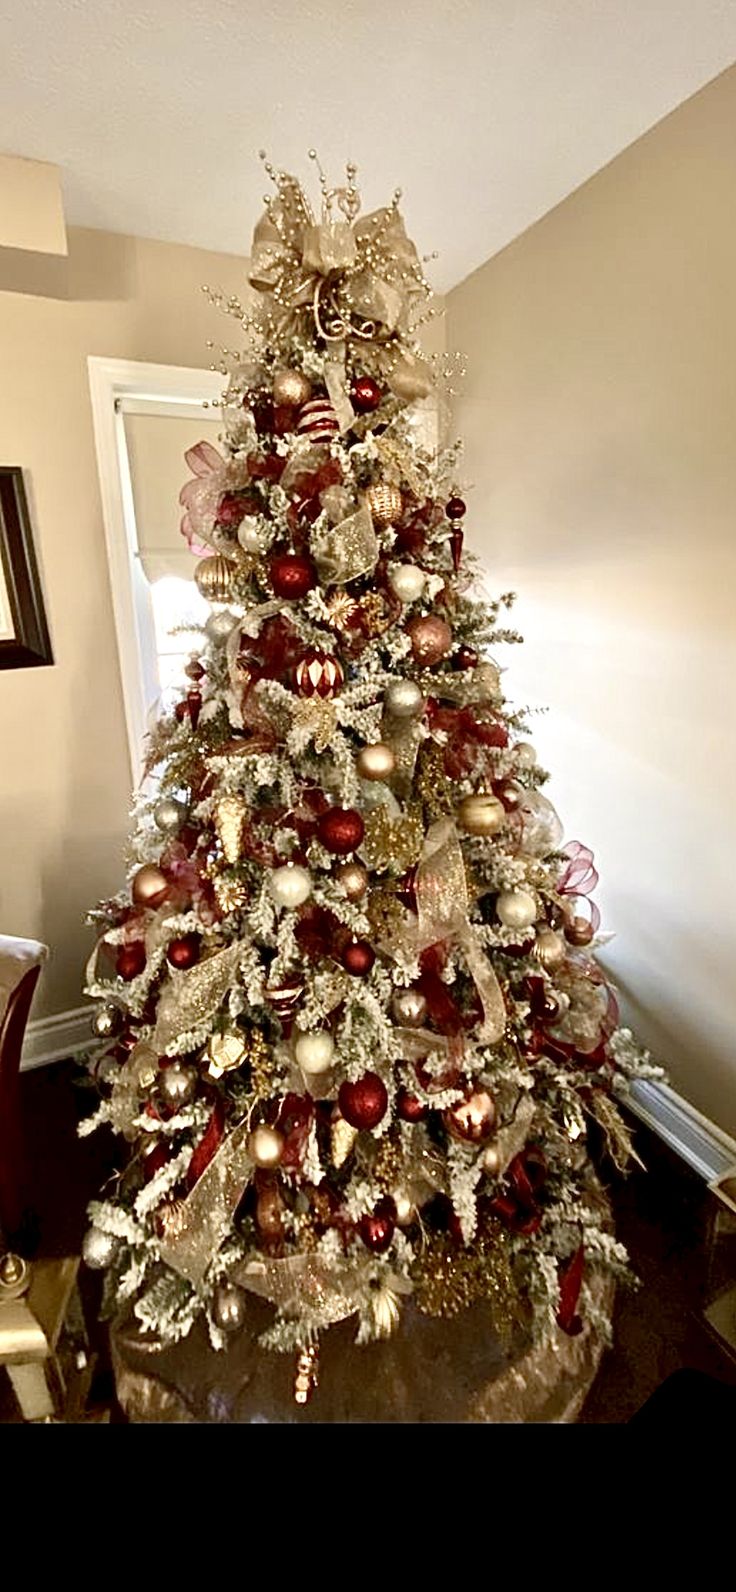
{"points": [[517, 909], [149, 886], [406, 1210], [265, 1146], [471, 1120], [353, 879], [376, 762], [169, 815], [481, 814], [292, 388], [409, 1007], [549, 948], [491, 1160], [487, 682], [403, 699], [249, 538], [431, 639], [385, 503], [15, 1276], [177, 1084], [214, 577], [106, 1021], [99, 1249]]}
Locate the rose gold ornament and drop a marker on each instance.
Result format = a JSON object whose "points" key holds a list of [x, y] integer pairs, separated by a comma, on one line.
{"points": [[549, 948], [214, 578], [149, 886], [376, 762], [270, 1214], [385, 503], [579, 931], [431, 639], [471, 1120], [291, 388], [353, 879], [481, 814], [491, 1160], [318, 674]]}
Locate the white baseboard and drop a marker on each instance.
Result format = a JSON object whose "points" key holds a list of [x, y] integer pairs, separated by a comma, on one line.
{"points": [[54, 1038]]}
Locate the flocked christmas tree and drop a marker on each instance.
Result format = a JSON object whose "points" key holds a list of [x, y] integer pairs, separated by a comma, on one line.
{"points": [[354, 1032]]}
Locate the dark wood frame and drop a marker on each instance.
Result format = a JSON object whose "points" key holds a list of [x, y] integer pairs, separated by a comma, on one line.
{"points": [[30, 644]]}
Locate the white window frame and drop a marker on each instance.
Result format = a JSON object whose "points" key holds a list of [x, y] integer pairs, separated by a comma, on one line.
{"points": [[118, 386]]}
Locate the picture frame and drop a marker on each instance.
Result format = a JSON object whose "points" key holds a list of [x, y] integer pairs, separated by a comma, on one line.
{"points": [[24, 635]]}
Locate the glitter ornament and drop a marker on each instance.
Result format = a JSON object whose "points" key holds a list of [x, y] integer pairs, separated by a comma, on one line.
{"points": [[99, 1249], [184, 952], [169, 815], [549, 948], [385, 503], [364, 1103], [471, 1120], [106, 1021], [149, 886], [230, 813], [377, 1228], [341, 830], [220, 623], [318, 421], [177, 1084], [130, 960], [407, 582], [229, 1305], [358, 958], [481, 814], [318, 674], [403, 699], [517, 909], [314, 1053], [464, 657], [290, 885], [292, 575], [265, 1146], [214, 578], [408, 1007], [365, 395], [291, 388], [431, 639], [409, 1107], [353, 879], [376, 762]]}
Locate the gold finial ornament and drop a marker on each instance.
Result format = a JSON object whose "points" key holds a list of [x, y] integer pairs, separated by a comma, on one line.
{"points": [[15, 1276]]}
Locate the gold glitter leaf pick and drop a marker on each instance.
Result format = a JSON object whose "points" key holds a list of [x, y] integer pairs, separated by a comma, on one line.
{"points": [[230, 815]]}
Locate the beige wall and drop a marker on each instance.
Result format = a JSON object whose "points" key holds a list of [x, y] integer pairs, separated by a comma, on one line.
{"points": [[64, 787], [599, 412]]}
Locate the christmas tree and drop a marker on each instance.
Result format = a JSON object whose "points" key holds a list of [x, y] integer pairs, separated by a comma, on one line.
{"points": [[354, 1032]]}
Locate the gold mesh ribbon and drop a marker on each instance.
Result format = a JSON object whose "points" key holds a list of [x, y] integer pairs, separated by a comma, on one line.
{"points": [[345, 551], [192, 997], [204, 1218]]}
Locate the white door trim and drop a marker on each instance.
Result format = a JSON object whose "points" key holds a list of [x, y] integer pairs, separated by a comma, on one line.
{"points": [[172, 389]]}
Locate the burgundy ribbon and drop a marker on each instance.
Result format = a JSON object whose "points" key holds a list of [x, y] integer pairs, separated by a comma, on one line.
{"points": [[525, 1177], [571, 1281], [209, 1142]]}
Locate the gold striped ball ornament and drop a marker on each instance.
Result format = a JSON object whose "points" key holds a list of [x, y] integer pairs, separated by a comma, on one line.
{"points": [[385, 503], [214, 578], [481, 814]]}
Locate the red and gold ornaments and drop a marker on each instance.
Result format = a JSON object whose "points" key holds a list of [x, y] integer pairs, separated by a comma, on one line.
{"points": [[318, 674]]}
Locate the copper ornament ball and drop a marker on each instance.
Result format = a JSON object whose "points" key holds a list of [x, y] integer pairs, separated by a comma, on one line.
{"points": [[291, 388], [364, 1103], [353, 879], [408, 1008], [341, 830], [358, 958], [431, 639], [376, 762], [292, 575], [149, 886], [549, 948], [177, 1084], [471, 1120], [579, 931], [214, 577]]}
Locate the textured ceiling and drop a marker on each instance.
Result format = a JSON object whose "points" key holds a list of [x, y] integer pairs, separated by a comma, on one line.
{"points": [[487, 112]]}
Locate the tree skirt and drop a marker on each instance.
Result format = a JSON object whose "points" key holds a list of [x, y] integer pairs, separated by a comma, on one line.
{"points": [[429, 1371]]}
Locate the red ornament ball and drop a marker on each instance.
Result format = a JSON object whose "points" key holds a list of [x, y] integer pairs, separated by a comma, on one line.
{"points": [[292, 575], [364, 1104], [409, 1107], [377, 1228], [318, 674], [456, 508], [431, 639], [465, 658], [358, 958], [184, 952], [365, 395], [130, 960], [230, 510], [341, 830]]}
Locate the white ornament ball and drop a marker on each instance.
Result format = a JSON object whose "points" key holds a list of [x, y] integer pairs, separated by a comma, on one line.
{"points": [[407, 581], [406, 1210], [526, 756], [248, 537], [404, 699], [517, 909], [219, 624], [314, 1052], [290, 885], [265, 1146], [99, 1249], [169, 815]]}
